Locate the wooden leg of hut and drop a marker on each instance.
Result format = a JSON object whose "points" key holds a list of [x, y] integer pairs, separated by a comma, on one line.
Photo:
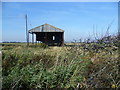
{"points": [[46, 38], [62, 43], [32, 38], [36, 40]]}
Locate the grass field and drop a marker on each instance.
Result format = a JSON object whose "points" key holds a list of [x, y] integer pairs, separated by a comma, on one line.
{"points": [[87, 65]]}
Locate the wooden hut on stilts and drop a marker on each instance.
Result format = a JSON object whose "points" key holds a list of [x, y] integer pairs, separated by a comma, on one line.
{"points": [[47, 34]]}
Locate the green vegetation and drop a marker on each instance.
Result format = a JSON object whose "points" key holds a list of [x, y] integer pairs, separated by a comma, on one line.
{"points": [[89, 64]]}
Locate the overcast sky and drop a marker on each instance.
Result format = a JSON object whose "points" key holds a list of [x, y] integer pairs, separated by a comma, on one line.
{"points": [[75, 18]]}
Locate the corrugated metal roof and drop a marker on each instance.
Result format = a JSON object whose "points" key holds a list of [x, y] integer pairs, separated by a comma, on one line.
{"points": [[46, 28]]}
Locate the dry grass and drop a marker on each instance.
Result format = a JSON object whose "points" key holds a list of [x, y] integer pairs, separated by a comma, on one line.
{"points": [[84, 65]]}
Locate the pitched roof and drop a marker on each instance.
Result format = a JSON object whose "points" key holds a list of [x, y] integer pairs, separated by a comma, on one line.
{"points": [[45, 28]]}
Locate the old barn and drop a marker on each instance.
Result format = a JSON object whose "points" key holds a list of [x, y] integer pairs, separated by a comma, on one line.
{"points": [[48, 34]]}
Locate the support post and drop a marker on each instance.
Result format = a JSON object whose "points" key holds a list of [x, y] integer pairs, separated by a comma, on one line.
{"points": [[36, 39], [45, 38], [63, 39], [27, 33], [32, 38]]}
